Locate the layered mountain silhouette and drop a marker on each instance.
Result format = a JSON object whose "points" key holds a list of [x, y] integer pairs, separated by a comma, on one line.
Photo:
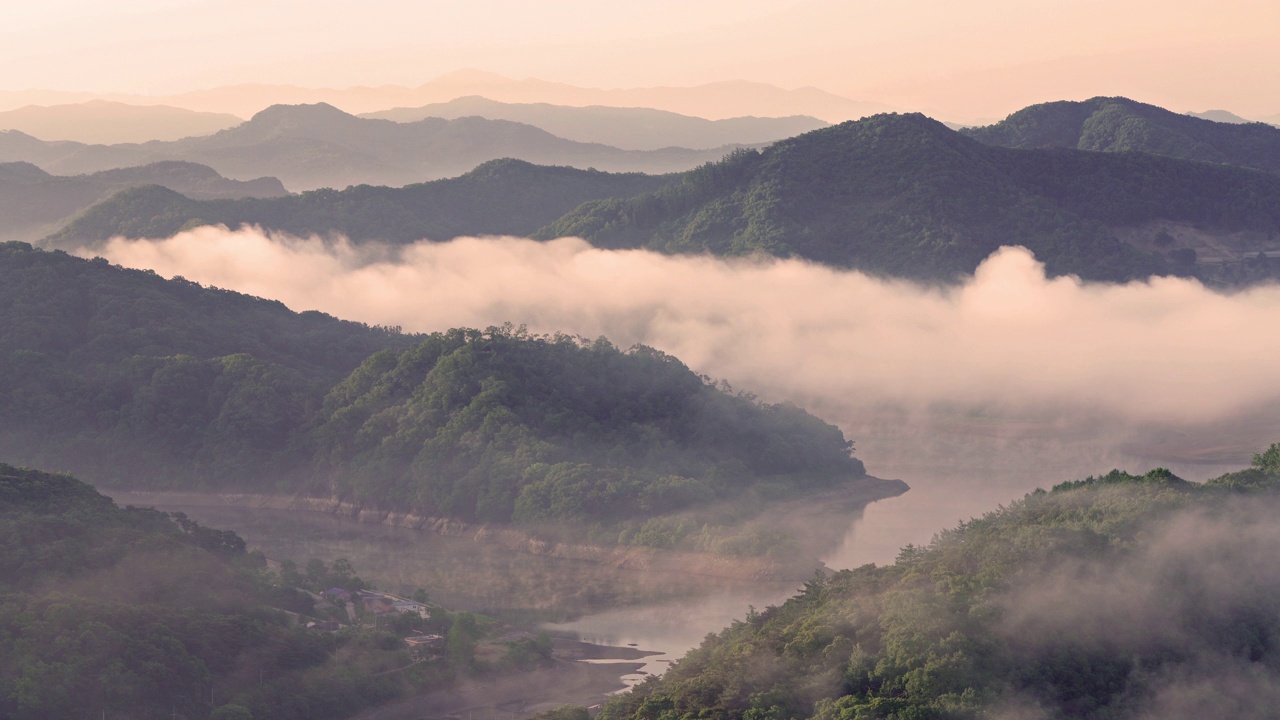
{"points": [[627, 128], [900, 195], [314, 146], [102, 121], [1117, 124], [718, 100], [34, 203], [500, 197], [1222, 116], [904, 195]]}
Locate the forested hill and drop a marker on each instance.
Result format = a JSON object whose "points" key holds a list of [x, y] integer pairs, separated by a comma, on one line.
{"points": [[503, 425], [905, 196], [57, 309], [1117, 124], [130, 379], [131, 613], [500, 197], [1115, 597]]}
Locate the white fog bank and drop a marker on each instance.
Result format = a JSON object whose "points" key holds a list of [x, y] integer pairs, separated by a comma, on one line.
{"points": [[1167, 350]]}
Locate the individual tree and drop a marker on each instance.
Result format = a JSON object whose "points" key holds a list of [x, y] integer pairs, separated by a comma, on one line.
{"points": [[1268, 461]]}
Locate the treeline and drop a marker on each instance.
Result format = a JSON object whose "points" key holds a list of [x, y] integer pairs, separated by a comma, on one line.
{"points": [[132, 380], [1118, 596]]}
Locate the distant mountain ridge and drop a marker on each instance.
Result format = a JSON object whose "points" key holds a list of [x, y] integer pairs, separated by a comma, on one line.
{"points": [[1222, 116], [899, 195], [500, 197], [714, 101], [1117, 124], [626, 128], [104, 122], [34, 203], [313, 146]]}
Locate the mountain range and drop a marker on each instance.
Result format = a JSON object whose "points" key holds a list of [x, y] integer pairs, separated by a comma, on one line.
{"points": [[714, 101], [627, 128], [500, 197], [313, 146], [105, 122], [34, 203], [901, 195], [905, 196]]}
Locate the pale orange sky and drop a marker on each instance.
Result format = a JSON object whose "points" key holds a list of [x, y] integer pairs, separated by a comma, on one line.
{"points": [[964, 60]]}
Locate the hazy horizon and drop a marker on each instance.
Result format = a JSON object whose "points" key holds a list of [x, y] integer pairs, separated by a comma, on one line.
{"points": [[957, 63]]}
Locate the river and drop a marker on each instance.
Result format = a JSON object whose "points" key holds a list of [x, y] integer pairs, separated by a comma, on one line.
{"points": [[958, 469]]}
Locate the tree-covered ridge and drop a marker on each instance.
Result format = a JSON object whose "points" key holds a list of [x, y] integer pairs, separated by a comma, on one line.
{"points": [[89, 313], [34, 203], [905, 196], [500, 197], [131, 613], [132, 380], [1118, 124], [502, 425], [121, 374], [1119, 596]]}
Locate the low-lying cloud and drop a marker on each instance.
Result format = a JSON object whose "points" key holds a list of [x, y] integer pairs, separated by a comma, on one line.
{"points": [[1191, 604], [1168, 349]]}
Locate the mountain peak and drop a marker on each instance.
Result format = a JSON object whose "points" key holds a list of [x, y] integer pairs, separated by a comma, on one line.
{"points": [[312, 111]]}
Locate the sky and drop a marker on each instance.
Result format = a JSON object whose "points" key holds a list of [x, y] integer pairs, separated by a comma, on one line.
{"points": [[978, 59]]}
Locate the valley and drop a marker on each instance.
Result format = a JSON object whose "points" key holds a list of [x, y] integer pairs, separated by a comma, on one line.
{"points": [[662, 361]]}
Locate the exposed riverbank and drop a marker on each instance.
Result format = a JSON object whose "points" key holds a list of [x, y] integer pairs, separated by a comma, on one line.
{"points": [[808, 518], [578, 674]]}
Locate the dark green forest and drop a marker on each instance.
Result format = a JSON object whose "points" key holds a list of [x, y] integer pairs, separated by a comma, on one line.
{"points": [[500, 197], [134, 613], [905, 196], [1118, 124], [1117, 596], [131, 380], [501, 424]]}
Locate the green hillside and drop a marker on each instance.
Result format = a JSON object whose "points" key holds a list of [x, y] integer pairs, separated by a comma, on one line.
{"points": [[127, 378], [903, 195], [1119, 596], [1117, 124], [501, 197], [503, 425], [131, 613]]}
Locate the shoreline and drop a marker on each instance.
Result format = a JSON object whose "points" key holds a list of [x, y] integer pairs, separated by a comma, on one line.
{"points": [[627, 557], [580, 673]]}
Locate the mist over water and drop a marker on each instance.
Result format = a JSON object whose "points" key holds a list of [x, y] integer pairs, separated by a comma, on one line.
{"points": [[974, 394]]}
